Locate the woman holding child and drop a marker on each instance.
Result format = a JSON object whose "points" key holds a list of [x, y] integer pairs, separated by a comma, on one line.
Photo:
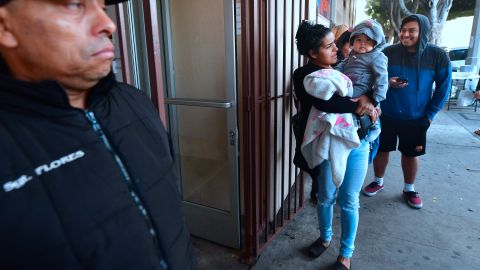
{"points": [[338, 158]]}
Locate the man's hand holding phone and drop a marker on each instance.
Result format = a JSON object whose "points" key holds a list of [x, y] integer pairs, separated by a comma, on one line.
{"points": [[398, 82]]}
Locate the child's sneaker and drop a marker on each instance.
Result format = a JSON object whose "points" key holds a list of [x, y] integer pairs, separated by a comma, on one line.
{"points": [[372, 189]]}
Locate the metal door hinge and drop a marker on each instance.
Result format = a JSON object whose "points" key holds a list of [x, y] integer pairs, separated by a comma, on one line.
{"points": [[233, 137]]}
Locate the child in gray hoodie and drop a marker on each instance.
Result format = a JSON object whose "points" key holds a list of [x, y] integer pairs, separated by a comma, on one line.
{"points": [[366, 65]]}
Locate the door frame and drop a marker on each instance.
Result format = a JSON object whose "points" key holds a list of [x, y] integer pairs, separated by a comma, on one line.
{"points": [[214, 227]]}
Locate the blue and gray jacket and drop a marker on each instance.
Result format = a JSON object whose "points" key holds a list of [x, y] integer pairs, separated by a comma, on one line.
{"points": [[429, 64], [368, 71]]}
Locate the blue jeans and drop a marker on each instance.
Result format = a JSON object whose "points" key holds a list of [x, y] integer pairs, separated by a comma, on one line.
{"points": [[348, 201]]}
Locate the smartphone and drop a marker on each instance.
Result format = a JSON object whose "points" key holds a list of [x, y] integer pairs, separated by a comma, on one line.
{"points": [[402, 80]]}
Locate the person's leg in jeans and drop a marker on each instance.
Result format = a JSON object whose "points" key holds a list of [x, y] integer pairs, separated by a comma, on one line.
{"points": [[326, 196], [348, 194], [313, 192]]}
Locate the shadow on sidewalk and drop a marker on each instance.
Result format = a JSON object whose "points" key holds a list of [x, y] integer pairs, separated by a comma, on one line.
{"points": [[391, 235]]}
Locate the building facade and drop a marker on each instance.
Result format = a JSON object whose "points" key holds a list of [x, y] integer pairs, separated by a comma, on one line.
{"points": [[219, 73]]}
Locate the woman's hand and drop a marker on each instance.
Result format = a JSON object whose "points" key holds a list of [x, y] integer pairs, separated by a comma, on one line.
{"points": [[365, 106], [394, 82], [375, 114]]}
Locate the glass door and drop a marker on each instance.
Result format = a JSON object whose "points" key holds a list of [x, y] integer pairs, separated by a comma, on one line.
{"points": [[202, 113]]}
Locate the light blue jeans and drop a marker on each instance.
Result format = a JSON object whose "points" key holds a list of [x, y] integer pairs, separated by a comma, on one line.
{"points": [[348, 201]]}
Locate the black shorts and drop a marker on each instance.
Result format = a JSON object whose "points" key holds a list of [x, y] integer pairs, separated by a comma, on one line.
{"points": [[411, 134]]}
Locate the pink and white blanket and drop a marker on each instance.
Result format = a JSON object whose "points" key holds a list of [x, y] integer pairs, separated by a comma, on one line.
{"points": [[329, 136]]}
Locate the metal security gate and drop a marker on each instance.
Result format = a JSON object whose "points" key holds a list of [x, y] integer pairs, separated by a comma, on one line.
{"points": [[273, 194]]}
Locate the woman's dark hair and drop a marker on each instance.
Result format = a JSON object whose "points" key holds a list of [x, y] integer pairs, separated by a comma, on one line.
{"points": [[341, 41], [310, 36]]}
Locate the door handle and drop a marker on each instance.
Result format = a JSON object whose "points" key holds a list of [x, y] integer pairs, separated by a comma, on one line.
{"points": [[212, 103]]}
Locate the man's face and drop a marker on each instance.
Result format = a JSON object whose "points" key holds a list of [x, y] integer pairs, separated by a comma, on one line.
{"points": [[363, 44], [409, 35], [63, 40]]}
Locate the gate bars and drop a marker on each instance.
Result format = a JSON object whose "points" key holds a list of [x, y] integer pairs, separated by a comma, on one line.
{"points": [[272, 194]]}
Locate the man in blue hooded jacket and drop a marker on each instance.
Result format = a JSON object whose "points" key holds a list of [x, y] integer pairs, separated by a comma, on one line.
{"points": [[413, 67]]}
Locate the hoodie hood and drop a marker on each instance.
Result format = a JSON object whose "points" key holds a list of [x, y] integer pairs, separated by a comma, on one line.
{"points": [[371, 29], [425, 28]]}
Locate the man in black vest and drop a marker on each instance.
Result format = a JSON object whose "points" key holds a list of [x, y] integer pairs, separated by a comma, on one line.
{"points": [[86, 176]]}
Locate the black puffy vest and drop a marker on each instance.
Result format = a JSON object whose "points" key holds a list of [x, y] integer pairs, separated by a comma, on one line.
{"points": [[65, 202]]}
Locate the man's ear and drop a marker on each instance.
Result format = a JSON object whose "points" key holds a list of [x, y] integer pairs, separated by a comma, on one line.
{"points": [[7, 38]]}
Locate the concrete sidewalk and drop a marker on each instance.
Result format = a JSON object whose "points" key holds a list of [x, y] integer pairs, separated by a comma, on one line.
{"points": [[445, 234]]}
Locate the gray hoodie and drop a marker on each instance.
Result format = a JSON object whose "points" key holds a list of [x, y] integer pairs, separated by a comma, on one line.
{"points": [[368, 71]]}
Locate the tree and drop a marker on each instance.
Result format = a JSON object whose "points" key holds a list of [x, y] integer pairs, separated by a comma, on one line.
{"points": [[389, 14], [461, 8], [437, 13]]}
